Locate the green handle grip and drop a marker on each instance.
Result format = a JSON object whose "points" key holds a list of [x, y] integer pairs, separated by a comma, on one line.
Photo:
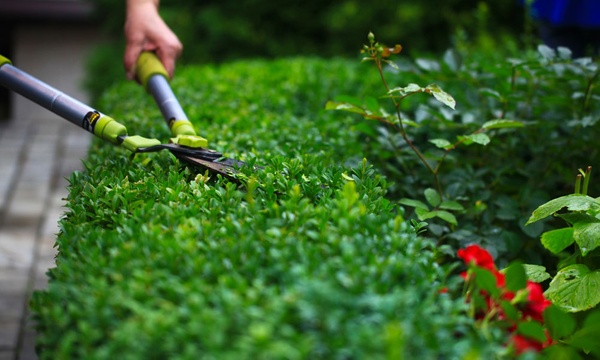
{"points": [[109, 129], [148, 65], [4, 60]]}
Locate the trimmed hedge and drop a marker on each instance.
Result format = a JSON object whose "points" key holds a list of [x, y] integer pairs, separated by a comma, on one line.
{"points": [[304, 259]]}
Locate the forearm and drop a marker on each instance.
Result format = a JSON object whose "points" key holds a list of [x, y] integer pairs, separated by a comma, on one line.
{"points": [[141, 2]]}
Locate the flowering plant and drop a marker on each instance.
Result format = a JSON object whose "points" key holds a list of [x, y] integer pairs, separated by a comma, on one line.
{"points": [[506, 299]]}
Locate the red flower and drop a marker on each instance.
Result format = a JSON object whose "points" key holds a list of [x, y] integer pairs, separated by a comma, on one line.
{"points": [[523, 344], [477, 255], [536, 302]]}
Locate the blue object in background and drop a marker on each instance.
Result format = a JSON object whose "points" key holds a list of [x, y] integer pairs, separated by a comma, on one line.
{"points": [[582, 13], [574, 24]]}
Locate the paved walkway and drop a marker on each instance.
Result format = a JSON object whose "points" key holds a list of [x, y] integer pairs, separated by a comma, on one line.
{"points": [[37, 157]]}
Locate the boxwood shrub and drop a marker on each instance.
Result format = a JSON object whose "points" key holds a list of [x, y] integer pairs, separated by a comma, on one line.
{"points": [[305, 258]]}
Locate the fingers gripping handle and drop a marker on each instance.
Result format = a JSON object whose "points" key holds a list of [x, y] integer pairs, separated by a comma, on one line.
{"points": [[152, 75], [59, 103], [147, 66]]}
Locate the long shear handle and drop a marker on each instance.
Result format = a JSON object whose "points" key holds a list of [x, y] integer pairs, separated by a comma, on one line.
{"points": [[59, 103], [151, 73]]}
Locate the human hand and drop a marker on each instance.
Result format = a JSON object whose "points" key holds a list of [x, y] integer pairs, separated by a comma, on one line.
{"points": [[145, 30]]}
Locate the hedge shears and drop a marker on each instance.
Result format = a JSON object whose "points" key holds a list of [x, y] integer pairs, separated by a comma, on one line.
{"points": [[185, 144]]}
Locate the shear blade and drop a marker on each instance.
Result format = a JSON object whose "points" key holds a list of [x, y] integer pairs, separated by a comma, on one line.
{"points": [[225, 167]]}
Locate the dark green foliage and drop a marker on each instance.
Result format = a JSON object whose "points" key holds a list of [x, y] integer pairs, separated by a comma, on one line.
{"points": [[305, 259], [554, 96], [225, 30]]}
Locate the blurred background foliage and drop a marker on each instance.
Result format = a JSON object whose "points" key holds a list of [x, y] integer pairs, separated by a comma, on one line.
{"points": [[217, 31]]}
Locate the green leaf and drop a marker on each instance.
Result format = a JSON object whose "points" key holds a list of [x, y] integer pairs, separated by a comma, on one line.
{"points": [[407, 90], [446, 216], [587, 337], [516, 278], [491, 93], [332, 105], [573, 202], [453, 59], [509, 310], [432, 197], [441, 96], [592, 319], [560, 352], [441, 143], [413, 203], [533, 330], [480, 138], [451, 205], [502, 124], [587, 236], [559, 323], [372, 105], [485, 280], [427, 64], [424, 214], [575, 288], [546, 52], [536, 273], [557, 240]]}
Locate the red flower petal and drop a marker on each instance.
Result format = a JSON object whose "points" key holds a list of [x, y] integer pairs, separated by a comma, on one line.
{"points": [[477, 255]]}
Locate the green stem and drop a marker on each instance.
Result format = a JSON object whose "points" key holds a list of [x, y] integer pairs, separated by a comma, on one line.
{"points": [[405, 136]]}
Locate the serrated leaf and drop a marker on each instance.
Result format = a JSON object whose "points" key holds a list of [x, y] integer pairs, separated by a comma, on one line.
{"points": [[441, 95], [557, 240], [432, 197], [536, 273], [451, 205], [575, 288], [413, 203], [502, 124], [441, 143], [587, 236], [573, 202], [559, 323]]}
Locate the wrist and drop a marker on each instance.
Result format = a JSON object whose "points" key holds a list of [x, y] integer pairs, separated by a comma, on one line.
{"points": [[132, 4]]}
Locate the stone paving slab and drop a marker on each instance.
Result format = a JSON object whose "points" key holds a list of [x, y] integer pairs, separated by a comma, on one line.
{"points": [[36, 158]]}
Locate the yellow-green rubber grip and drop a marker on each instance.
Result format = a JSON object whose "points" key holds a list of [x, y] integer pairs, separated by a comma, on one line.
{"points": [[148, 65], [136, 142], [182, 127], [4, 60], [109, 129]]}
